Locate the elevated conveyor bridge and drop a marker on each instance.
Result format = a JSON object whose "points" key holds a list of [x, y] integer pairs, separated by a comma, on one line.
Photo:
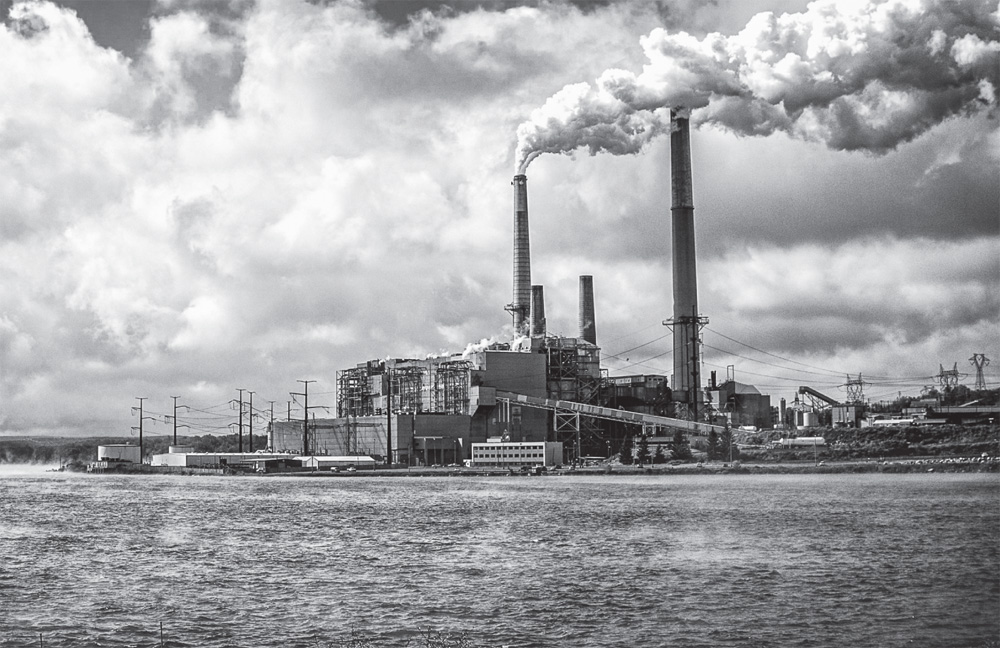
{"points": [[817, 400], [647, 421]]}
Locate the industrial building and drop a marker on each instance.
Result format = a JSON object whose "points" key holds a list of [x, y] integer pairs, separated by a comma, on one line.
{"points": [[508, 455], [538, 389], [431, 411], [185, 457], [741, 404], [119, 452]]}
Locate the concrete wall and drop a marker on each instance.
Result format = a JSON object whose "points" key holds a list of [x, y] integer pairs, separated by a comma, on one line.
{"points": [[523, 373]]}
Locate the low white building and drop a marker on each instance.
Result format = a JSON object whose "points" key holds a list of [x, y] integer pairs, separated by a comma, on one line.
{"points": [[329, 463], [210, 459], [512, 454], [256, 460], [119, 452]]}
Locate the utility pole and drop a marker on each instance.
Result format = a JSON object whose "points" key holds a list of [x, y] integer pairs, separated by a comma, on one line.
{"points": [[241, 419], [251, 420], [305, 414], [729, 431], [695, 368], [388, 418], [175, 418], [270, 429], [141, 419]]}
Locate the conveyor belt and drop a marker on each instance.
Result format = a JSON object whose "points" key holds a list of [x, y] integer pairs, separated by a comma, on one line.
{"points": [[609, 413]]}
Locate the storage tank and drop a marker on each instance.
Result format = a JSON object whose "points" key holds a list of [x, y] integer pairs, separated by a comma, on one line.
{"points": [[810, 419]]}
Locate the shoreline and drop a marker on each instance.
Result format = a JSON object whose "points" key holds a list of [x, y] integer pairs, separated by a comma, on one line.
{"points": [[917, 465]]}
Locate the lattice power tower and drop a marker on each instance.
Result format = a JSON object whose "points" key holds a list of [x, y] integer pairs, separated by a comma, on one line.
{"points": [[979, 361]]}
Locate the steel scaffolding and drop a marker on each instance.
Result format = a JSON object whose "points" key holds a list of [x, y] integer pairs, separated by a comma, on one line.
{"points": [[407, 389], [573, 374], [451, 387], [354, 392]]}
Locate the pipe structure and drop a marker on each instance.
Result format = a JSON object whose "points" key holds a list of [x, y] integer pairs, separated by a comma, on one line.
{"points": [[588, 328], [520, 307], [686, 321], [537, 311]]}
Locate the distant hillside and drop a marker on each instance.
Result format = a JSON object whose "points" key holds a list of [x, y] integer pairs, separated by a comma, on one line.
{"points": [[59, 450]]}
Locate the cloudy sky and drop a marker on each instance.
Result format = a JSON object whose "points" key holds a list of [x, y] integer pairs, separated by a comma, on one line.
{"points": [[198, 196]]}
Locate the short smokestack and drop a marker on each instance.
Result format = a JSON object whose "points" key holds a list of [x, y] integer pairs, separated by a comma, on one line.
{"points": [[588, 329], [686, 320], [521, 305], [537, 311]]}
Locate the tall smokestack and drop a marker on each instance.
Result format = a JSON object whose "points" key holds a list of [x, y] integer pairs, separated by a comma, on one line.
{"points": [[521, 306], [537, 311], [686, 321], [588, 329]]}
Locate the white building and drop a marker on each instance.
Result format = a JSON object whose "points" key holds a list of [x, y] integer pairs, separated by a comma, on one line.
{"points": [[330, 463], [210, 459], [256, 460], [118, 452], [523, 453]]}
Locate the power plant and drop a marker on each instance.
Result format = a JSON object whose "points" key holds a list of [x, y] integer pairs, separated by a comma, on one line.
{"points": [[533, 398], [535, 388]]}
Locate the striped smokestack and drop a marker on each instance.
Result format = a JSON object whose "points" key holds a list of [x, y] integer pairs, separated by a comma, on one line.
{"points": [[588, 329], [686, 322], [537, 311], [521, 306]]}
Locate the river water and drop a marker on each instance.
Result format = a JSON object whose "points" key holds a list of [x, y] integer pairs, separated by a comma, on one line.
{"points": [[707, 560]]}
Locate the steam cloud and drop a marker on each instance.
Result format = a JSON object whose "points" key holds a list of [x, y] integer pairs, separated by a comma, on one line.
{"points": [[854, 74]]}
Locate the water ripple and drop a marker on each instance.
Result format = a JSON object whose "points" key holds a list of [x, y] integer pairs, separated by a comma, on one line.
{"points": [[831, 560]]}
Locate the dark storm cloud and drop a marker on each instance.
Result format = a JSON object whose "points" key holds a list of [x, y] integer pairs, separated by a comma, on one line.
{"points": [[401, 12]]}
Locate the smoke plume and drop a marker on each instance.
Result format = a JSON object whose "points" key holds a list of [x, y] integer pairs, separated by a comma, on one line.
{"points": [[854, 74]]}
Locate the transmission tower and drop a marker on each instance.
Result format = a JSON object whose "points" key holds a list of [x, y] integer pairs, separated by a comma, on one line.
{"points": [[948, 378], [979, 361], [855, 389]]}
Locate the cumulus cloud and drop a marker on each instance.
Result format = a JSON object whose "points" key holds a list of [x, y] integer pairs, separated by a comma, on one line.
{"points": [[272, 191], [183, 52], [856, 76]]}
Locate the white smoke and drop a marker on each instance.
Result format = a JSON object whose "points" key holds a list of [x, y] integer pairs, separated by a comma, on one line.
{"points": [[854, 74], [603, 119]]}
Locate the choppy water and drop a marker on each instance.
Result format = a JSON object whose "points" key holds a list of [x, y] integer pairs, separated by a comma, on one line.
{"points": [[759, 560]]}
